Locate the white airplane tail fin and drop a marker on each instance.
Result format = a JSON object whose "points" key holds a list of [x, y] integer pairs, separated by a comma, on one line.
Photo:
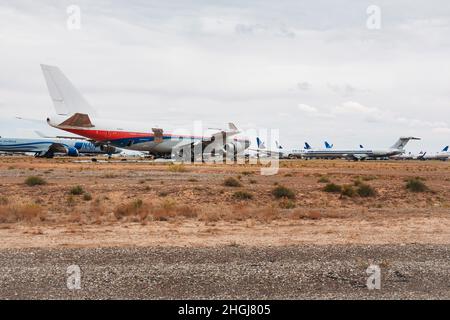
{"points": [[66, 98], [402, 142]]}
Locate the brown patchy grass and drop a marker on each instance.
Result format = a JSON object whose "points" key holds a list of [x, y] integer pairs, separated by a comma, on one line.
{"points": [[21, 212]]}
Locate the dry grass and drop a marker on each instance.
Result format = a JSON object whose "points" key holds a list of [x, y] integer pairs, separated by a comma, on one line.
{"points": [[163, 210], [24, 212], [177, 168], [306, 214]]}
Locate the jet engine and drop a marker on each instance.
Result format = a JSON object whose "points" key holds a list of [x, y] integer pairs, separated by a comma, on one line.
{"points": [[72, 152]]}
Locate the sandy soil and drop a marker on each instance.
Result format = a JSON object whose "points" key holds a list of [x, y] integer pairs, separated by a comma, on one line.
{"points": [[215, 216]]}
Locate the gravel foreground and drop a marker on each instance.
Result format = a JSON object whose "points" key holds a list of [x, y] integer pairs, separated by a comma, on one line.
{"points": [[227, 272]]}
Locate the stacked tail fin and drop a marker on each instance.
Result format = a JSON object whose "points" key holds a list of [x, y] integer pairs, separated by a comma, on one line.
{"points": [[402, 142], [66, 98], [260, 143]]}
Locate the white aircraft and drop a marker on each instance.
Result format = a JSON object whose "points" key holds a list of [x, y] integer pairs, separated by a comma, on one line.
{"points": [[443, 155], [279, 152], [75, 115], [358, 154], [48, 147], [361, 153]]}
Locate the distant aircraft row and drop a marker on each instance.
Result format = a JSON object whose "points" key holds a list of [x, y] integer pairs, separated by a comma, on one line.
{"points": [[395, 152], [98, 136]]}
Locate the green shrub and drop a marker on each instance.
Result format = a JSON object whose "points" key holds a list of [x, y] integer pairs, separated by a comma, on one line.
{"points": [[283, 192], [364, 190], [3, 201], [87, 197], [287, 204], [242, 195], [416, 185], [76, 191], [333, 188], [323, 179], [348, 191], [369, 178], [231, 182], [35, 181]]}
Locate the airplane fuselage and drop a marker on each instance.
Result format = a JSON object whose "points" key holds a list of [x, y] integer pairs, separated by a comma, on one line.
{"points": [[156, 142], [43, 145], [359, 153]]}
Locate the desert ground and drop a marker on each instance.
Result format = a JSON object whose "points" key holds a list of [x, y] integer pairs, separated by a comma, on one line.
{"points": [[59, 211]]}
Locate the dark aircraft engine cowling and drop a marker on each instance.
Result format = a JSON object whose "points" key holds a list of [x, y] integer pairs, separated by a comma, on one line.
{"points": [[232, 147], [108, 149], [72, 152]]}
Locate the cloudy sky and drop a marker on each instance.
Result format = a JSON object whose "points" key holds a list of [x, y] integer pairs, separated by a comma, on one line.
{"points": [[312, 69]]}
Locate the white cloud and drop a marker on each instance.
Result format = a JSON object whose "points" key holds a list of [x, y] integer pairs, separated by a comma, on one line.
{"points": [[307, 108], [443, 130], [172, 62], [354, 108]]}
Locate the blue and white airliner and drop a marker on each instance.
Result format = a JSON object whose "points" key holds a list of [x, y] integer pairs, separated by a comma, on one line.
{"points": [[48, 147]]}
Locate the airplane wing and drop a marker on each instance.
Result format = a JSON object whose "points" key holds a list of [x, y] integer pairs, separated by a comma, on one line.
{"points": [[220, 142], [269, 153], [359, 156], [223, 134]]}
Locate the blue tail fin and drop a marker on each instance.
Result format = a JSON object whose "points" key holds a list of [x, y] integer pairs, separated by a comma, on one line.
{"points": [[260, 143], [307, 146], [445, 149], [327, 145], [361, 146]]}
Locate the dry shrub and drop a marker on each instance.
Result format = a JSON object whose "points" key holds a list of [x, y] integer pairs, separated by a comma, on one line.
{"points": [[96, 212], [231, 182], [209, 217], [243, 212], [286, 204], [164, 210], [75, 217], [17, 213], [310, 215], [268, 214], [177, 167], [131, 209], [187, 211]]}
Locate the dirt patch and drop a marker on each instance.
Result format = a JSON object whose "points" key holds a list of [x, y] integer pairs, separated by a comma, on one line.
{"points": [[148, 204]]}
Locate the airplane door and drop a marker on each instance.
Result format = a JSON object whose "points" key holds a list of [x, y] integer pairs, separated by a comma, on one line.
{"points": [[158, 134]]}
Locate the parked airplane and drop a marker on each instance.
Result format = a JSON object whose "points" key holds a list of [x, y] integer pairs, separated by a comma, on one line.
{"points": [[361, 154], [75, 115], [443, 155], [279, 152], [48, 147]]}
